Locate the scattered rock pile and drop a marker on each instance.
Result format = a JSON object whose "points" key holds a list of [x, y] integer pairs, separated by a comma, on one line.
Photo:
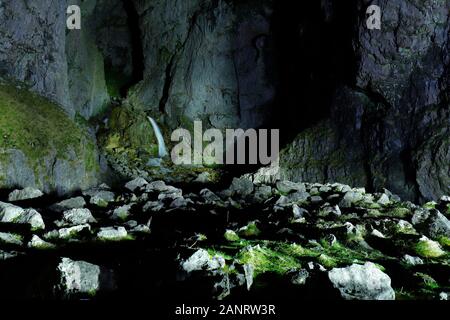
{"points": [[350, 243]]}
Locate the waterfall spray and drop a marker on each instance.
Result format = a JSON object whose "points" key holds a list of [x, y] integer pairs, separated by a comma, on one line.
{"points": [[162, 151]]}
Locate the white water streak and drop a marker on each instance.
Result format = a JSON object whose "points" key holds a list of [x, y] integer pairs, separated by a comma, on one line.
{"points": [[162, 151]]}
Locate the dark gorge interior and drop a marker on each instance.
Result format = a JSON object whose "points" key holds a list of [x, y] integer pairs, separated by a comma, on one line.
{"points": [[92, 198]]}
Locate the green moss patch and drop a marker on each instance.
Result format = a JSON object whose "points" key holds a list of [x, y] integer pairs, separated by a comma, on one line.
{"points": [[33, 124], [41, 130], [264, 259]]}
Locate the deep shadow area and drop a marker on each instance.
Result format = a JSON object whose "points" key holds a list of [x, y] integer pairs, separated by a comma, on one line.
{"points": [[137, 50], [314, 56]]}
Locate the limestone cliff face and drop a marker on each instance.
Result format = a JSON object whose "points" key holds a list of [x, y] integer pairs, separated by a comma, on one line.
{"points": [[32, 46], [65, 66], [207, 60], [390, 127]]}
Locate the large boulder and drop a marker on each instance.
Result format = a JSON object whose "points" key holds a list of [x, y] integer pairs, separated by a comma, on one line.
{"points": [[41, 147], [83, 278], [13, 214], [25, 194], [362, 282]]}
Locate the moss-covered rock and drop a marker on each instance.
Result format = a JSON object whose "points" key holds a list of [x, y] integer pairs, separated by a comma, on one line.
{"points": [[429, 249], [41, 147], [130, 132]]}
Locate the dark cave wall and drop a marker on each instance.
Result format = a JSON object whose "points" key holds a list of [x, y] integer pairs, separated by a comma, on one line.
{"points": [[211, 61], [368, 108], [390, 126], [32, 46], [66, 66]]}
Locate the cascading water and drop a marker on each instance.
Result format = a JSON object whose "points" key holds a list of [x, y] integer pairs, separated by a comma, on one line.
{"points": [[162, 151]]}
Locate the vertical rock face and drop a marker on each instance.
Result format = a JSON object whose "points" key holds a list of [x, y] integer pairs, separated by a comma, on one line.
{"points": [[210, 62], [67, 66], [32, 46], [390, 127], [41, 147], [87, 85]]}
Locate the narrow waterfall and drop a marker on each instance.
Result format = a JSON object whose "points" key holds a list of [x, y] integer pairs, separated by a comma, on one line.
{"points": [[162, 151]]}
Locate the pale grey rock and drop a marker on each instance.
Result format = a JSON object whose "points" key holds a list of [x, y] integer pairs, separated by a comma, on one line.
{"points": [[209, 196], [78, 277], [180, 202], [378, 234], [330, 211], [72, 203], [25, 194], [11, 238], [298, 212], [69, 233], [316, 199], [331, 239], [170, 195], [437, 225], [102, 198], [33, 218], [198, 261], [342, 188], [383, 199], [405, 227], [154, 206], [75, 217], [362, 282], [299, 197], [242, 187], [204, 177], [156, 186], [112, 234], [131, 223], [201, 260], [216, 262], [286, 187], [350, 199], [420, 216], [9, 212], [135, 184], [13, 214], [265, 175], [249, 271], [142, 228], [53, 173]]}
